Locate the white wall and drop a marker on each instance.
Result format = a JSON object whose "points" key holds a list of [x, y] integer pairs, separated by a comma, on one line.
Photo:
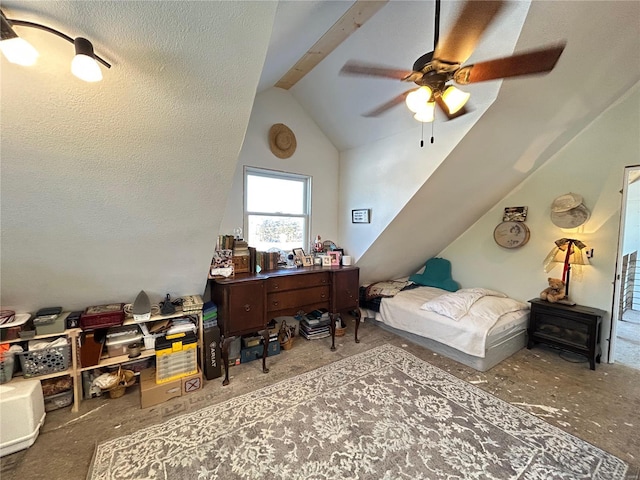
{"points": [[314, 156], [592, 164]]}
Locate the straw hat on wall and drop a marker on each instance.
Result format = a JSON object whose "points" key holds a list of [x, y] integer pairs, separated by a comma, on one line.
{"points": [[282, 141]]}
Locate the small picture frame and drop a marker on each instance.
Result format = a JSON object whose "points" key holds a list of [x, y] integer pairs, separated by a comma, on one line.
{"points": [[335, 258], [362, 215], [515, 214], [307, 261], [326, 261], [298, 252]]}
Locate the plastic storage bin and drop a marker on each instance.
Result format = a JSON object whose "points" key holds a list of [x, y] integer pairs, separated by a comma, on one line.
{"points": [[47, 360], [59, 400], [176, 356], [21, 415], [6, 366]]}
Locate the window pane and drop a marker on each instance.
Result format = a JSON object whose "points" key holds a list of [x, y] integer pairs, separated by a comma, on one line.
{"points": [[275, 195], [272, 231]]}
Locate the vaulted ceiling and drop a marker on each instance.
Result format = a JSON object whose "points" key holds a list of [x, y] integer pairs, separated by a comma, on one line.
{"points": [[177, 103]]}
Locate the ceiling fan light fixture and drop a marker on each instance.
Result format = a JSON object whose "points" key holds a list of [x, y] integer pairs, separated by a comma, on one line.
{"points": [[427, 113], [84, 65], [15, 49], [417, 99], [454, 99]]}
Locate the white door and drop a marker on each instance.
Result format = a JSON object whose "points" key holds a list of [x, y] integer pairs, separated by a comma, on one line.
{"points": [[628, 242]]}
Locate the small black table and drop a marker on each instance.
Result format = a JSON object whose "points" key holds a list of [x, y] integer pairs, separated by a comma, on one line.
{"points": [[575, 328]]}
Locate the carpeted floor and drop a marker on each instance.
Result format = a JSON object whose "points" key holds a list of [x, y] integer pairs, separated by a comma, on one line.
{"points": [[382, 414]]}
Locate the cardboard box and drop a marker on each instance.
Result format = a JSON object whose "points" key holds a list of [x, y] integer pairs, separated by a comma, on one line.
{"points": [[152, 393], [192, 383]]}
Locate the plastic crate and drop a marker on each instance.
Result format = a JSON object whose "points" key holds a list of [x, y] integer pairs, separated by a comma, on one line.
{"points": [[47, 360], [6, 367], [59, 400]]}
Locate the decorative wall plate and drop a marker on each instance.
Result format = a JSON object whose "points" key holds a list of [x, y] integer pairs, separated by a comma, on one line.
{"points": [[511, 234], [571, 218]]}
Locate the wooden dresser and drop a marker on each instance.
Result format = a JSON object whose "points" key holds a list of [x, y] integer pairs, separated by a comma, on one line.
{"points": [[247, 302]]}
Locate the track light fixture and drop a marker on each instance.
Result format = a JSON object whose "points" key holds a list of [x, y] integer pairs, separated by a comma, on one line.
{"points": [[19, 51]]}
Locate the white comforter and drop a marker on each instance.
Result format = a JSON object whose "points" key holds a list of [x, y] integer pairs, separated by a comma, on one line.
{"points": [[472, 315]]}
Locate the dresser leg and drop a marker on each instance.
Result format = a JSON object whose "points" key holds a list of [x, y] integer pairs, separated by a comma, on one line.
{"points": [[358, 315], [225, 358], [333, 331], [265, 349]]}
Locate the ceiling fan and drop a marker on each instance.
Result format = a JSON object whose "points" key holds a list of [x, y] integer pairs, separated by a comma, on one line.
{"points": [[434, 71]]}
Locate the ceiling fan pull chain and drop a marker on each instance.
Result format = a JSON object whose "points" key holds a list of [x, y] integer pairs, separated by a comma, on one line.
{"points": [[421, 134], [432, 131]]}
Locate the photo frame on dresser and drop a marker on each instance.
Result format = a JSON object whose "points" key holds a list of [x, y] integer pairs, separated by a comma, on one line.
{"points": [[307, 261], [335, 257], [298, 252]]}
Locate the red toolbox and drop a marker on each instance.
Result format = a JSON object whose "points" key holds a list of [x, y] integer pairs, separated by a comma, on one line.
{"points": [[102, 316]]}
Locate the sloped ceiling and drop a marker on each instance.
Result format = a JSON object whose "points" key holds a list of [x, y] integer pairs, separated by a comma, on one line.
{"points": [[119, 186]]}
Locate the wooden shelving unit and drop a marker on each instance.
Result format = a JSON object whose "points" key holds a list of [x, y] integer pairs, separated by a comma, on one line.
{"points": [[75, 370]]}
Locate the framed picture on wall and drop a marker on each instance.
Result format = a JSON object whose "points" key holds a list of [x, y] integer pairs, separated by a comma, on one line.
{"points": [[362, 215], [514, 214]]}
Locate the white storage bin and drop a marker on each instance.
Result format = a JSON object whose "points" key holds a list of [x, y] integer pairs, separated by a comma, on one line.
{"points": [[21, 415]]}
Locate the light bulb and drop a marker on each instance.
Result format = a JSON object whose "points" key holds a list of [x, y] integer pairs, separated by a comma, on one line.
{"points": [[426, 114], [86, 68], [417, 99], [19, 51]]}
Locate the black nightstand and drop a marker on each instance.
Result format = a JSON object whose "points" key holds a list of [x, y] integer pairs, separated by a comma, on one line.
{"points": [[575, 328]]}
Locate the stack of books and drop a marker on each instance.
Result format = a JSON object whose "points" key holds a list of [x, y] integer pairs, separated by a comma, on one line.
{"points": [[267, 260], [225, 242], [315, 324], [241, 260], [209, 315]]}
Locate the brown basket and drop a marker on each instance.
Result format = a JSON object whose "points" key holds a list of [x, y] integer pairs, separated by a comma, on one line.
{"points": [[287, 345], [126, 378], [341, 331]]}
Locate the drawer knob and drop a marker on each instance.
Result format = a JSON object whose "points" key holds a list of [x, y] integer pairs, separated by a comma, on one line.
{"points": [[247, 307], [323, 296], [275, 303], [276, 286]]}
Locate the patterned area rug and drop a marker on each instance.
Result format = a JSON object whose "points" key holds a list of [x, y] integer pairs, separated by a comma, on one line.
{"points": [[382, 414]]}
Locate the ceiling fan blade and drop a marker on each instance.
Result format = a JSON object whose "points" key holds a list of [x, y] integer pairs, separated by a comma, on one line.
{"points": [[529, 63], [390, 104], [461, 40], [357, 68]]}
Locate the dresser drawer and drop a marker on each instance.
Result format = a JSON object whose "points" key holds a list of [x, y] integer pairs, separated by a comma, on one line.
{"points": [[294, 299], [293, 282]]}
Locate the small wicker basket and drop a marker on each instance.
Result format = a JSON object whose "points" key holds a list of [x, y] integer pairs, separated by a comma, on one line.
{"points": [[340, 331], [124, 379], [286, 345]]}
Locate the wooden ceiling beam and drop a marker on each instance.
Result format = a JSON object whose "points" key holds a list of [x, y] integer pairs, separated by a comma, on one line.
{"points": [[352, 20]]}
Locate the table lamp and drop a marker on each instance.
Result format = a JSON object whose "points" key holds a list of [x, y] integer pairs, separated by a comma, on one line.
{"points": [[568, 251]]}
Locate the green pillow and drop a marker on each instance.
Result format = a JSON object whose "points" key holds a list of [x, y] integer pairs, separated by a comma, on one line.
{"points": [[437, 273]]}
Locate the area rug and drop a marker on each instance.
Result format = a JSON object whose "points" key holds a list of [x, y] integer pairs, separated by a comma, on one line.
{"points": [[381, 414]]}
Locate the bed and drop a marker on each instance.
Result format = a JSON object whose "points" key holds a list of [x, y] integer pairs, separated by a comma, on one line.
{"points": [[477, 327]]}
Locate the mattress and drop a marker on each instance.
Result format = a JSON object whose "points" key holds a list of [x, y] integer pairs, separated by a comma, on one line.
{"points": [[403, 313]]}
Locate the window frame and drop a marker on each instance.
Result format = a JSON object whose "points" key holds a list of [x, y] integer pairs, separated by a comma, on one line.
{"points": [[306, 180]]}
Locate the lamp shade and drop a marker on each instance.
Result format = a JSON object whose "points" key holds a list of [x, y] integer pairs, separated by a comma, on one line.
{"points": [[15, 49], [84, 65], [426, 113], [417, 99], [454, 99]]}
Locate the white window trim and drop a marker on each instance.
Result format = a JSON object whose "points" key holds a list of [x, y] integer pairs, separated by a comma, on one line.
{"points": [[264, 172]]}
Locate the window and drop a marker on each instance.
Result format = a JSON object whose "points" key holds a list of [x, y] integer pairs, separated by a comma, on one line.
{"points": [[276, 209]]}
